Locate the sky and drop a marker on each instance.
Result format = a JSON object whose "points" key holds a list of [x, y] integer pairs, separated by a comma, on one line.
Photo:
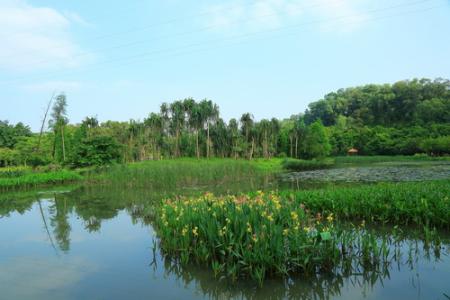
{"points": [[119, 60]]}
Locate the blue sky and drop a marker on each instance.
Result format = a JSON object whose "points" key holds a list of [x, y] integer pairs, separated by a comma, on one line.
{"points": [[121, 59]]}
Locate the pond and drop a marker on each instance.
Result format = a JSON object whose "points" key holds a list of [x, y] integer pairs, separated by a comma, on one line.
{"points": [[98, 243], [390, 172]]}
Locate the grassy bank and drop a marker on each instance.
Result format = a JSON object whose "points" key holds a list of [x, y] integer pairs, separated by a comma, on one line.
{"points": [[361, 159], [32, 179], [164, 174]]}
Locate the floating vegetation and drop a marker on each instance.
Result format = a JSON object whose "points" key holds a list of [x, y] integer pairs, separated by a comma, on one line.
{"points": [[373, 174]]}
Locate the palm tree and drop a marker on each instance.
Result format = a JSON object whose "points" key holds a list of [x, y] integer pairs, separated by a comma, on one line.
{"points": [[247, 127], [233, 128], [210, 113], [90, 123], [176, 110], [155, 125]]}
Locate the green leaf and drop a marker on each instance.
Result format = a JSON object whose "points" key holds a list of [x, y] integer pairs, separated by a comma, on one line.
{"points": [[325, 236]]}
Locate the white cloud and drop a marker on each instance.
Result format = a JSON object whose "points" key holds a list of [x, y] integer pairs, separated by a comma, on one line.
{"points": [[238, 16], [36, 38]]}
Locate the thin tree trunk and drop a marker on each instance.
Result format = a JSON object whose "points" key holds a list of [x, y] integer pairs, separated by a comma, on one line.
{"points": [[196, 144], [43, 122], [207, 140], [291, 146], [296, 147], [54, 145], [252, 149], [46, 227], [63, 145]]}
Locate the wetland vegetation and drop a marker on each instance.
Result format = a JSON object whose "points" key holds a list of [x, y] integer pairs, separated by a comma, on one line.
{"points": [[241, 207]]}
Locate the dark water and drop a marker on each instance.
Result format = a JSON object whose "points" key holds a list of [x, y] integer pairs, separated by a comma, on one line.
{"points": [[390, 172], [98, 243]]}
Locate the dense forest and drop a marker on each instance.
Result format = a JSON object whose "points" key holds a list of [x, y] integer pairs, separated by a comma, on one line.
{"points": [[407, 117]]}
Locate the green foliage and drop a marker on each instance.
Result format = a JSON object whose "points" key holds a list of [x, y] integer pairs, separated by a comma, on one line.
{"points": [[316, 143], [417, 203], [402, 103], [9, 134], [96, 151], [304, 165], [404, 118], [436, 146], [248, 236], [182, 173], [261, 235], [35, 179]]}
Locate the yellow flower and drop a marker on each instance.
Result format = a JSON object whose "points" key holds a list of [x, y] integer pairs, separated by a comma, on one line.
{"points": [[285, 232], [270, 218], [249, 227], [294, 216], [195, 231], [184, 231], [254, 238], [330, 218], [307, 229]]}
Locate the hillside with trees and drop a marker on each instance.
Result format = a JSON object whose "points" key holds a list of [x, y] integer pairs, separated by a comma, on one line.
{"points": [[407, 117]]}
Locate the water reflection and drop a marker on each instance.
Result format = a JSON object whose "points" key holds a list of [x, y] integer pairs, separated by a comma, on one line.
{"points": [[112, 227], [349, 281]]}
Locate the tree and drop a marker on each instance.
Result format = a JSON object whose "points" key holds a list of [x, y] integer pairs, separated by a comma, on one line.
{"points": [[58, 122], [96, 151], [316, 142], [247, 129], [210, 113]]}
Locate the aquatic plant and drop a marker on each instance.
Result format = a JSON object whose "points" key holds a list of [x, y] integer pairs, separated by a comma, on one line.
{"points": [[258, 235], [407, 203]]}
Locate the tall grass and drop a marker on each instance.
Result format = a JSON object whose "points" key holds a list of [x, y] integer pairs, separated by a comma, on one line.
{"points": [[36, 179], [418, 203], [305, 165], [168, 174]]}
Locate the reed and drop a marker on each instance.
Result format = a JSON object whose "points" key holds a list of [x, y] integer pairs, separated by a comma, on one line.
{"points": [[169, 174], [305, 165]]}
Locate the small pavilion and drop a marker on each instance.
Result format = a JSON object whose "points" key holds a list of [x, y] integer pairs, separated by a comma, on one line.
{"points": [[352, 151]]}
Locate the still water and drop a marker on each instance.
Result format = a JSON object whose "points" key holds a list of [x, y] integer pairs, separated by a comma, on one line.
{"points": [[98, 243]]}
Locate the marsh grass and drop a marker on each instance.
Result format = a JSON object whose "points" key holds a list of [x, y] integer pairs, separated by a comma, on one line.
{"points": [[406, 203], [306, 165], [168, 174], [30, 179]]}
